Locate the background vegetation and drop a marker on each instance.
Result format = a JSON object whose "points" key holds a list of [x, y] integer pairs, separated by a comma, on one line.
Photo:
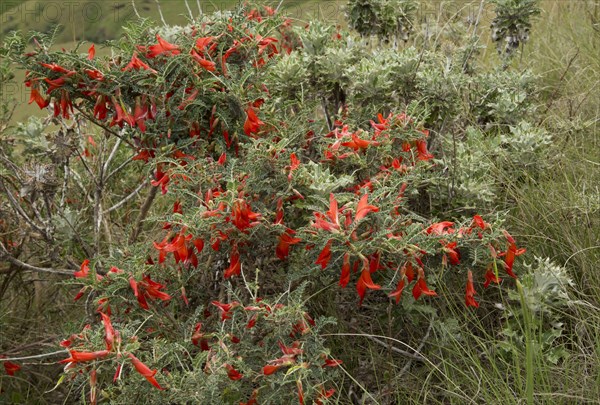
{"points": [[540, 343]]}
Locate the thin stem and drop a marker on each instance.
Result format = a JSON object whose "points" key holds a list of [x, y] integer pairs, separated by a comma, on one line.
{"points": [[101, 125], [127, 198], [113, 152], [6, 255], [189, 9], [143, 213], [162, 18], [135, 9], [119, 168], [20, 210], [36, 356]]}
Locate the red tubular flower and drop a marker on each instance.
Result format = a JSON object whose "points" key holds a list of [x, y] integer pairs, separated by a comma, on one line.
{"points": [[203, 43], [293, 350], [333, 213], [410, 273], [84, 271], [151, 288], [332, 363], [11, 368], [144, 370], [162, 47], [397, 293], [94, 74], [333, 223], [242, 216], [365, 282], [204, 63], [490, 277], [91, 52], [81, 357], [270, 369], [232, 373], [199, 244], [147, 288], [137, 64], [252, 124], [252, 321], [300, 391], [235, 264], [117, 374], [363, 208], [324, 395], [285, 241], [452, 253], [38, 98], [54, 84], [198, 338], [294, 164], [279, 212], [93, 390], [357, 143], [162, 179], [325, 255], [439, 228], [421, 286], [109, 337], [345, 276], [140, 113], [100, 110], [252, 399], [422, 152], [121, 116], [478, 222], [470, 292], [511, 253], [57, 68], [225, 309], [139, 295]]}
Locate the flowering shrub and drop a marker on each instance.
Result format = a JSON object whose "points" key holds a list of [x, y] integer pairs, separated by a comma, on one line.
{"points": [[273, 173]]}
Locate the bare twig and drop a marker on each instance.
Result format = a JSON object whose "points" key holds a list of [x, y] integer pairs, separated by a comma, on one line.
{"points": [[35, 356], [43, 342], [143, 213], [279, 5], [119, 168], [189, 10], [20, 211], [101, 125], [412, 356], [127, 198], [135, 9], [415, 356], [552, 98], [113, 152], [6, 255], [419, 348], [162, 18], [329, 123], [474, 35]]}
